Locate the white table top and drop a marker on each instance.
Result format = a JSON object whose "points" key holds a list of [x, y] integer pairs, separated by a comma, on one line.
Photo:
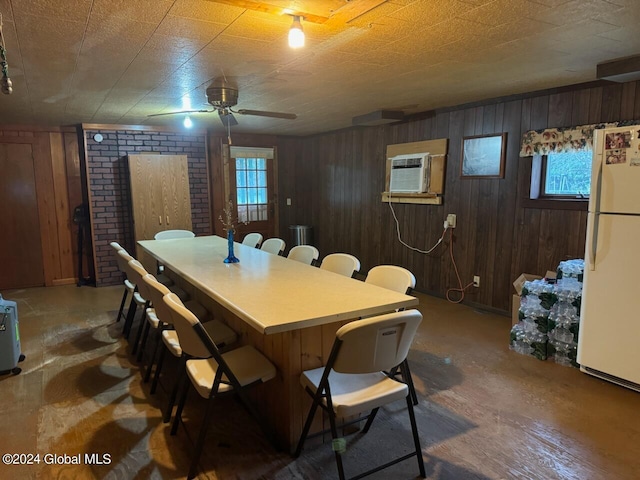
{"points": [[271, 293]]}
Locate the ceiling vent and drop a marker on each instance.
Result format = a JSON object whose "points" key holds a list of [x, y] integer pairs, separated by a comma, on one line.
{"points": [[621, 70], [379, 117]]}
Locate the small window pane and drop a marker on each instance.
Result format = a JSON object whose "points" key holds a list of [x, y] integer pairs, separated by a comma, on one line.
{"points": [[240, 164], [262, 195], [251, 163], [262, 164], [568, 174], [262, 179], [262, 212], [241, 178], [252, 179], [242, 214], [242, 196], [252, 195], [253, 213]]}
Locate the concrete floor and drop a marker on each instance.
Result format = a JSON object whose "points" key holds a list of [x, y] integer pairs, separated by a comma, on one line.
{"points": [[484, 412]]}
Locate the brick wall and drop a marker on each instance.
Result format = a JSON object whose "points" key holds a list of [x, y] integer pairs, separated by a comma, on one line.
{"points": [[108, 183]]}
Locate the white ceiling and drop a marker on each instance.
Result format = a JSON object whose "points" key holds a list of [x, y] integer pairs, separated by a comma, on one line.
{"points": [[117, 61]]}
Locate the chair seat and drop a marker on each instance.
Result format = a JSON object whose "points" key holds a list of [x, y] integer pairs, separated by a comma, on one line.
{"points": [[352, 394], [140, 300], [152, 318], [129, 286], [170, 339], [219, 332], [247, 364]]}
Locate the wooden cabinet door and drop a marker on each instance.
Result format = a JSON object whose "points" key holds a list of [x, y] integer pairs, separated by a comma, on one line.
{"points": [[160, 194], [176, 193]]}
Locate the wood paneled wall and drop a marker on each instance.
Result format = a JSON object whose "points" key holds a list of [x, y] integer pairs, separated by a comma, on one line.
{"points": [[335, 180], [57, 168]]}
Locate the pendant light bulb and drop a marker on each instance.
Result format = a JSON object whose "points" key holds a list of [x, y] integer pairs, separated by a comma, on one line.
{"points": [[187, 122], [296, 35]]}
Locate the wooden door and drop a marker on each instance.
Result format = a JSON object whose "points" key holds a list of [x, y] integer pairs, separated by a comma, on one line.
{"points": [[251, 182], [21, 263]]}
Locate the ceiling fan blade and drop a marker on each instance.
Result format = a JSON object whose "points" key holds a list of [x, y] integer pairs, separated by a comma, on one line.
{"points": [[262, 113], [227, 118], [183, 112]]}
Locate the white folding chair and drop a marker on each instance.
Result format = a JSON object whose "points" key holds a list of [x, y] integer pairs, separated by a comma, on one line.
{"points": [[354, 380], [253, 240], [128, 286], [391, 277], [273, 245], [341, 263], [219, 332], [213, 373], [304, 253], [170, 234]]}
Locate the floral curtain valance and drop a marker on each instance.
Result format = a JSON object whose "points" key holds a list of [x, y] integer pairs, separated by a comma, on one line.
{"points": [[567, 139]]}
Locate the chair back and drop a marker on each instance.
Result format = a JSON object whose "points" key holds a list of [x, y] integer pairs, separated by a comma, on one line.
{"points": [[376, 343], [273, 245], [195, 342], [341, 263], [304, 253], [116, 246], [123, 259], [169, 234], [156, 291], [135, 274], [253, 240], [391, 277]]}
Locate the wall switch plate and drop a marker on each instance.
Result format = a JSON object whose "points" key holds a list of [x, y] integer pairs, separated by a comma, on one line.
{"points": [[288, 201]]}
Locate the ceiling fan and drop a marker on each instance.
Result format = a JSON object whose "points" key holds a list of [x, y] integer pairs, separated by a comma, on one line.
{"points": [[223, 96]]}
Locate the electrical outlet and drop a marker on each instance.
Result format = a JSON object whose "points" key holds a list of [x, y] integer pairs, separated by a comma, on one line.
{"points": [[451, 220], [288, 201], [476, 281]]}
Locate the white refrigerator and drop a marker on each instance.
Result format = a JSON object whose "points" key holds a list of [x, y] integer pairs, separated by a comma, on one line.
{"points": [[609, 336]]}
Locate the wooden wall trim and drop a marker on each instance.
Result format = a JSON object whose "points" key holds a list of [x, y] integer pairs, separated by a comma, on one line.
{"points": [[141, 128]]}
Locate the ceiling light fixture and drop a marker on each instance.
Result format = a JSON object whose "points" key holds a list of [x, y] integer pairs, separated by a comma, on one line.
{"points": [[296, 35], [187, 122]]}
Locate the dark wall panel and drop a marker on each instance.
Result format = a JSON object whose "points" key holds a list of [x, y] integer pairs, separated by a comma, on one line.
{"points": [[335, 180]]}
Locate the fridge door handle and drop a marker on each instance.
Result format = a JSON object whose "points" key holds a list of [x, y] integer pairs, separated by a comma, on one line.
{"points": [[594, 242]]}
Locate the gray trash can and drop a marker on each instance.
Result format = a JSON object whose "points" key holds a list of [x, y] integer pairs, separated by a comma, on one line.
{"points": [[301, 235]]}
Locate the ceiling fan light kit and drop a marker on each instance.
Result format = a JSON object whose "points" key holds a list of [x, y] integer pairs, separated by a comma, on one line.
{"points": [[222, 97]]}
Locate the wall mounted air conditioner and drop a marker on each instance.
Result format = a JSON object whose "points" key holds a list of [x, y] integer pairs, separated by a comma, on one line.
{"points": [[410, 173]]}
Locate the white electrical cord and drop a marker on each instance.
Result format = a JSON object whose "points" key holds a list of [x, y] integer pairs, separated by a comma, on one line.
{"points": [[426, 252]]}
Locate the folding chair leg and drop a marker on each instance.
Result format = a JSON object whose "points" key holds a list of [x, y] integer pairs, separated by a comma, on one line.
{"points": [[305, 429], [147, 373], [416, 438], [143, 341], [334, 435], [121, 309], [200, 441], [143, 323], [131, 313], [409, 381], [156, 374], [183, 399], [372, 415], [174, 391]]}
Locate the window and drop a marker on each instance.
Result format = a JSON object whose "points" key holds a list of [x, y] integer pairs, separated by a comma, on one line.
{"points": [[561, 176], [566, 174], [251, 188]]}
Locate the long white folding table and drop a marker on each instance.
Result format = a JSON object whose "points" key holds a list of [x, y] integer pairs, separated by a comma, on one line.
{"points": [[288, 310]]}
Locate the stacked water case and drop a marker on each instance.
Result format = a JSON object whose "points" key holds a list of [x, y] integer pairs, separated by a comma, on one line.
{"points": [[10, 353], [549, 316]]}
